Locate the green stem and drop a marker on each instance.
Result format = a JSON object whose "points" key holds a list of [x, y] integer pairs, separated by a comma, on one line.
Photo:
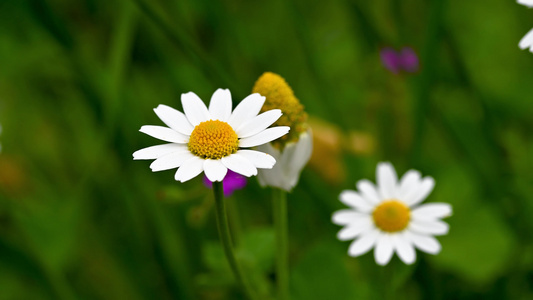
{"points": [[279, 206], [225, 238]]}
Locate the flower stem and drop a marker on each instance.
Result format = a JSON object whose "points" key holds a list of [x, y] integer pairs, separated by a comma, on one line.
{"points": [[225, 238], [279, 205]]}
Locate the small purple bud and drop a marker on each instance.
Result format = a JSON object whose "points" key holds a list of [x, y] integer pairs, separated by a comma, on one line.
{"points": [[232, 182], [409, 60], [391, 59]]}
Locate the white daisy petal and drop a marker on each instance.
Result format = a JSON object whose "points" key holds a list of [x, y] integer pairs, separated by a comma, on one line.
{"points": [[220, 105], [354, 230], [368, 191], [409, 182], [259, 123], [528, 3], [264, 137], [174, 119], [239, 164], [164, 134], [347, 216], [353, 199], [364, 243], [157, 151], [386, 180], [189, 169], [214, 170], [259, 159], [425, 243], [384, 249], [421, 193], [404, 248], [246, 110], [435, 227], [432, 211], [194, 108], [527, 41], [171, 160]]}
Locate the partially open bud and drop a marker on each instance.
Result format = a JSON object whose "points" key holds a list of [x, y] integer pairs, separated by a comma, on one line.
{"points": [[292, 151]]}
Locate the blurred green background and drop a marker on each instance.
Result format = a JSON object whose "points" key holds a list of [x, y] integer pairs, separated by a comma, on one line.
{"points": [[79, 219]]}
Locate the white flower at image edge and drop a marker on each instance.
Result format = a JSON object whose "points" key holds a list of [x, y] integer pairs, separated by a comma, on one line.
{"points": [[290, 162], [388, 216], [211, 140], [527, 40]]}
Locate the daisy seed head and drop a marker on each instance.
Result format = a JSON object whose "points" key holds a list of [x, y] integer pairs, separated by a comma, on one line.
{"points": [[391, 216], [213, 139], [279, 95]]}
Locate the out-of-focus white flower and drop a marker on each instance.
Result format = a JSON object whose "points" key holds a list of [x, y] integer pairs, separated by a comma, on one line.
{"points": [[292, 151], [290, 162], [528, 3], [211, 140], [388, 216], [527, 41]]}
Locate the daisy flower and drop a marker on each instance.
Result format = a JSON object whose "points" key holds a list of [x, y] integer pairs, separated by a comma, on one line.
{"points": [[388, 216], [212, 140], [293, 150], [527, 40]]}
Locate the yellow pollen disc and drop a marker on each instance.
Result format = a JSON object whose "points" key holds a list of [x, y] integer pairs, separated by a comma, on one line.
{"points": [[391, 216], [279, 95], [213, 139]]}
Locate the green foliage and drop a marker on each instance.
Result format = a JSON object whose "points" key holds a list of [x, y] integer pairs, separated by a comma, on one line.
{"points": [[79, 219]]}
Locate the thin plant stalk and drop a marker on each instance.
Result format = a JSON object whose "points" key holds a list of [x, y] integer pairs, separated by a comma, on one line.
{"points": [[279, 206], [225, 238]]}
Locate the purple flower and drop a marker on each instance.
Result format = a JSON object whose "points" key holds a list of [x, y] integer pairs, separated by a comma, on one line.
{"points": [[405, 60], [232, 182]]}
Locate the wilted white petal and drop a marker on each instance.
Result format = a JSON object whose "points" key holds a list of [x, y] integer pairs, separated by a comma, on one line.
{"points": [[259, 159]]}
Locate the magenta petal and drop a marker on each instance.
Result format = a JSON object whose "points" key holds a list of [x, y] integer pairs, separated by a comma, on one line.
{"points": [[409, 60], [230, 183], [391, 59]]}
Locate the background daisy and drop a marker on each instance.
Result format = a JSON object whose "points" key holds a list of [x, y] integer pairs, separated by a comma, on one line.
{"points": [[389, 216]]}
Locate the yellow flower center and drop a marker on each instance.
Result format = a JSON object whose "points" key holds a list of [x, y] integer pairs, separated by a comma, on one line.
{"points": [[213, 139], [279, 95], [391, 216]]}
